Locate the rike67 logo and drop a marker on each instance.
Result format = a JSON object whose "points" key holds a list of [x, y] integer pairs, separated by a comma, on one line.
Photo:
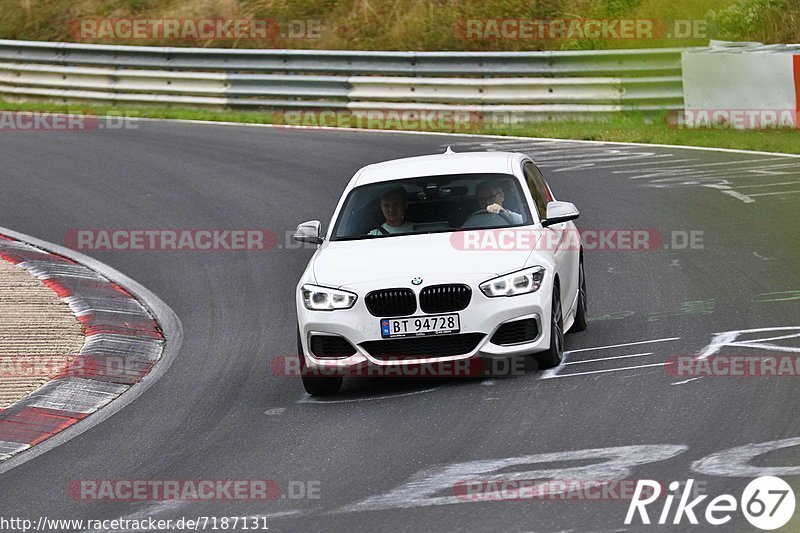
{"points": [[767, 503]]}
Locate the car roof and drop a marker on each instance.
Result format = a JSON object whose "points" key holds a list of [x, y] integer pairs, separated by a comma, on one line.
{"points": [[435, 165]]}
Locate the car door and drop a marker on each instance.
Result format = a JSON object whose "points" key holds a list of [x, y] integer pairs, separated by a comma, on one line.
{"points": [[558, 236]]}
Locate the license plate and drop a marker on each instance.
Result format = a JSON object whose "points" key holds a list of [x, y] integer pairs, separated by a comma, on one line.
{"points": [[418, 326]]}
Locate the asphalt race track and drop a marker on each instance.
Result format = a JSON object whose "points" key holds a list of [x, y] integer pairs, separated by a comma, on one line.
{"points": [[386, 453]]}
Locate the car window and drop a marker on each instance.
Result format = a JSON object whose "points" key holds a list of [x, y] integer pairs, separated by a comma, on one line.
{"points": [[539, 189], [431, 204]]}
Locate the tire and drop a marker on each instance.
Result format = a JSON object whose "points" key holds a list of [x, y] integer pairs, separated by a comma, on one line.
{"points": [[581, 320], [316, 386], [553, 356]]}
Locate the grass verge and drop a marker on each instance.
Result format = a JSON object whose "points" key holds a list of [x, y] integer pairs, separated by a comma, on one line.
{"points": [[409, 24]]}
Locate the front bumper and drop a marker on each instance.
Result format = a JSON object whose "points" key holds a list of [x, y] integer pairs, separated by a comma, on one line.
{"points": [[484, 315]]}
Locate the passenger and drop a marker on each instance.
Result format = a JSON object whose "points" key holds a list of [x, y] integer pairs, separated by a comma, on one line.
{"points": [[393, 206]]}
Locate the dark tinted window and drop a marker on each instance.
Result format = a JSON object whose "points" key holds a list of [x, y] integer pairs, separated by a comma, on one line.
{"points": [[431, 204]]}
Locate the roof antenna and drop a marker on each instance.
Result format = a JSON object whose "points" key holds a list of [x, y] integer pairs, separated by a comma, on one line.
{"points": [[449, 150]]}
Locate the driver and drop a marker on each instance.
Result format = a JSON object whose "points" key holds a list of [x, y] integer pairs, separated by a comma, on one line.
{"points": [[490, 197], [393, 206]]}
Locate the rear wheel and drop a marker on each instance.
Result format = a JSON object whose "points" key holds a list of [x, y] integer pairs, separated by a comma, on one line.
{"points": [[580, 313], [316, 385], [553, 356]]}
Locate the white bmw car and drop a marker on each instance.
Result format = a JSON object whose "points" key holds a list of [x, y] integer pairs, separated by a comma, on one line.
{"points": [[436, 259]]}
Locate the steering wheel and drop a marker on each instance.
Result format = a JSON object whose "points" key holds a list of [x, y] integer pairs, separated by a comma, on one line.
{"points": [[482, 217]]}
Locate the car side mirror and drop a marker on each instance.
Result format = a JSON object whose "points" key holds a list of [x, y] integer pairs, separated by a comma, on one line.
{"points": [[308, 232], [558, 212]]}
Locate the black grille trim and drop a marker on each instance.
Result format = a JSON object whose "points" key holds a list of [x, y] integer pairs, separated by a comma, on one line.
{"points": [[386, 303], [331, 347], [426, 347], [516, 332], [445, 298]]}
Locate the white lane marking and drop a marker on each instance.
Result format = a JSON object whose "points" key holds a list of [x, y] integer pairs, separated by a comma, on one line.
{"points": [[778, 338], [623, 344], [737, 462], [602, 167], [308, 399], [774, 193], [776, 347], [592, 164], [488, 382], [727, 338], [274, 411], [698, 167], [559, 152], [435, 484], [717, 341], [609, 358], [551, 372], [680, 172], [564, 153], [768, 184], [641, 164], [616, 155], [602, 371], [279, 514], [685, 381], [727, 189], [770, 170], [739, 196]]}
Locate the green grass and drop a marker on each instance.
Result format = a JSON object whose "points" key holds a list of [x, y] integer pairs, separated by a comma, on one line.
{"points": [[621, 128], [410, 24]]}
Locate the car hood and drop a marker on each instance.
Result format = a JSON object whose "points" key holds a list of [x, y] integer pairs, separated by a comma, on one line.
{"points": [[349, 263]]}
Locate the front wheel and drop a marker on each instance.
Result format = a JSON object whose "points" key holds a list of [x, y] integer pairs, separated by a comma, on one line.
{"points": [[581, 320], [553, 356], [316, 385]]}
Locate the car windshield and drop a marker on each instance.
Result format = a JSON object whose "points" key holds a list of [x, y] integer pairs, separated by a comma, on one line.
{"points": [[432, 204]]}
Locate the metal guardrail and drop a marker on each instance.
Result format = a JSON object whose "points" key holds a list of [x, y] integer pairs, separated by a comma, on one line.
{"points": [[535, 83]]}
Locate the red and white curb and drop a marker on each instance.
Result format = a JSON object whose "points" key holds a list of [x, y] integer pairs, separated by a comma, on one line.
{"points": [[123, 343]]}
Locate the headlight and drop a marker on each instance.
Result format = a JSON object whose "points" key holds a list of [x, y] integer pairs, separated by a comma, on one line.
{"points": [[326, 299], [522, 282]]}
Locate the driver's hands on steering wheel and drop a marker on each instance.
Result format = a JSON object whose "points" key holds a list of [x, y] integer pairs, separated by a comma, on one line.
{"points": [[495, 209], [501, 212]]}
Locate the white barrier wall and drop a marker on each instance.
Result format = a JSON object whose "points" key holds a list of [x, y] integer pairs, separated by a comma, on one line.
{"points": [[741, 87], [511, 86]]}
